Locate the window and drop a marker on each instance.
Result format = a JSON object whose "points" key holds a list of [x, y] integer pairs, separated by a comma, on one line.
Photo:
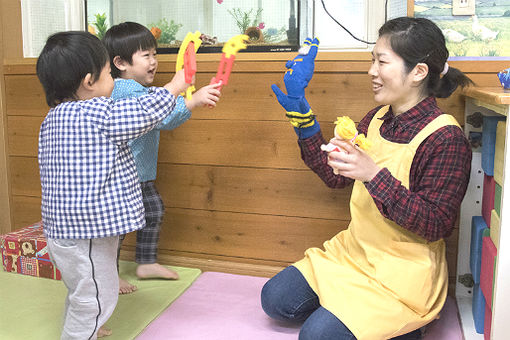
{"points": [[271, 25], [41, 18], [362, 18]]}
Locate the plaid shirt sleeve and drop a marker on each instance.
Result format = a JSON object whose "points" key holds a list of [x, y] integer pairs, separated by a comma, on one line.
{"points": [[438, 181], [317, 160], [126, 119]]}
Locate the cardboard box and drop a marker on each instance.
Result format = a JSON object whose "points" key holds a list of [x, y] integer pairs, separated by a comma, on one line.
{"points": [[24, 251]]}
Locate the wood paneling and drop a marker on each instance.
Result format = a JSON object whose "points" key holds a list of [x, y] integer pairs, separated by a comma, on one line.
{"points": [[234, 186], [23, 135], [25, 176], [246, 190], [251, 236], [5, 199], [24, 96], [261, 191], [25, 210], [261, 144], [12, 44]]}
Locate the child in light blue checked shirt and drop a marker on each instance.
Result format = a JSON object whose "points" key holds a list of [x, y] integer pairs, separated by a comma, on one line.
{"points": [[132, 49], [90, 188]]}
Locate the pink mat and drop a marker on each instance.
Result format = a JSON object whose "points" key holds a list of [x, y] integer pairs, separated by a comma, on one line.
{"points": [[226, 306]]}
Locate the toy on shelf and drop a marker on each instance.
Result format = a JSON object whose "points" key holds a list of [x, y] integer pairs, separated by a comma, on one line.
{"points": [[504, 78], [156, 32], [231, 47], [346, 129], [186, 58]]}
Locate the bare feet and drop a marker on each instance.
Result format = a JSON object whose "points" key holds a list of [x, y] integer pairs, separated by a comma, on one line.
{"points": [[102, 332], [155, 271], [126, 287]]}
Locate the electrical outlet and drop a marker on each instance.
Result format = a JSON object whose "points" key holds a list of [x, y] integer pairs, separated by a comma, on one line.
{"points": [[463, 7]]}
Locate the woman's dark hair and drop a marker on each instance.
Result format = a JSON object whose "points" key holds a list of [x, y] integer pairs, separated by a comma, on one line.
{"points": [[419, 40], [64, 62], [125, 39]]}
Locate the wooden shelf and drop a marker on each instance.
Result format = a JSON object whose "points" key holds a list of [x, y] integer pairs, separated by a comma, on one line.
{"points": [[493, 98], [488, 99]]}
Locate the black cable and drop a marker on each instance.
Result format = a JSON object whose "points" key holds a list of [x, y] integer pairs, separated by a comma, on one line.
{"points": [[345, 29], [386, 11]]}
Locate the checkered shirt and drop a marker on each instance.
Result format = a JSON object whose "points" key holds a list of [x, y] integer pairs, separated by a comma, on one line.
{"points": [[90, 187], [145, 148]]}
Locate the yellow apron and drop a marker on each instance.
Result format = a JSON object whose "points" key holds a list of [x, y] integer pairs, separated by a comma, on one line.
{"points": [[378, 278]]}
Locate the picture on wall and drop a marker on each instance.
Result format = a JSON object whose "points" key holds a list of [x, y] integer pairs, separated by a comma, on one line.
{"points": [[483, 35]]}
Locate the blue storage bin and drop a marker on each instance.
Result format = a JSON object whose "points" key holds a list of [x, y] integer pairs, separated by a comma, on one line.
{"points": [[490, 124], [478, 226], [478, 308]]}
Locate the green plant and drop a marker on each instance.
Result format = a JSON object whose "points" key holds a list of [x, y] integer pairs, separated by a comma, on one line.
{"points": [[101, 25], [244, 19], [168, 30], [272, 35]]}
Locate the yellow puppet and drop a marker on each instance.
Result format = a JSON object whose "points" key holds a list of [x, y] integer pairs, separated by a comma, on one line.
{"points": [[345, 129]]}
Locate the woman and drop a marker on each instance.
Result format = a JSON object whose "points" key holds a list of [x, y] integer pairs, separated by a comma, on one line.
{"points": [[386, 275]]}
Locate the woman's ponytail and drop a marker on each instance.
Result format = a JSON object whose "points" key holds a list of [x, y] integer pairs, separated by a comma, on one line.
{"points": [[449, 82]]}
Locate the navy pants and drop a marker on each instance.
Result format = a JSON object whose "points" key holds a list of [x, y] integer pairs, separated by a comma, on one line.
{"points": [[148, 237], [288, 297]]}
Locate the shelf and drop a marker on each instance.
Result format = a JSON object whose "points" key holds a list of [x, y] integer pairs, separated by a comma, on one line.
{"points": [[466, 318], [488, 101], [496, 99]]}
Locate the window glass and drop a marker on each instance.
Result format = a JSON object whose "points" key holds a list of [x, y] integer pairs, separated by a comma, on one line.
{"points": [[41, 18], [271, 25]]}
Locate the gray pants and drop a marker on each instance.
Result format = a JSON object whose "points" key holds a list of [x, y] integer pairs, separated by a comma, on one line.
{"points": [[89, 272]]}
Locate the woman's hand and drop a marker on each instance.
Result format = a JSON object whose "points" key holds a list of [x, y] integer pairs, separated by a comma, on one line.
{"points": [[352, 162]]}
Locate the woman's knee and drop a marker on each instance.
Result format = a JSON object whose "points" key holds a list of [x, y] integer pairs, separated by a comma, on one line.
{"points": [[287, 296], [323, 325], [270, 298]]}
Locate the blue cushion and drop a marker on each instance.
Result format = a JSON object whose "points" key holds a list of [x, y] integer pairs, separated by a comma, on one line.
{"points": [[478, 225], [478, 308], [490, 124]]}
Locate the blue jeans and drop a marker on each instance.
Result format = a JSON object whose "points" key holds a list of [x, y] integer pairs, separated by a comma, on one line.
{"points": [[288, 297]]}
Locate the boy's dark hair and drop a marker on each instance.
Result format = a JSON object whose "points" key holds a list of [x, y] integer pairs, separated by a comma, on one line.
{"points": [[125, 39], [419, 40], [65, 60]]}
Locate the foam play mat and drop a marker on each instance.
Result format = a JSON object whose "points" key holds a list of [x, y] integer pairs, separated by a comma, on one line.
{"points": [[227, 307], [32, 308], [219, 306]]}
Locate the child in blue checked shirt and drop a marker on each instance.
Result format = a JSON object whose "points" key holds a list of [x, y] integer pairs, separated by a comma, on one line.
{"points": [[132, 49], [90, 189]]}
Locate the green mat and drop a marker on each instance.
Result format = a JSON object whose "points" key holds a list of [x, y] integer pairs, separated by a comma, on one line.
{"points": [[32, 308]]}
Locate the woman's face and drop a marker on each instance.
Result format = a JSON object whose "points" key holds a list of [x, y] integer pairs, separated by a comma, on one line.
{"points": [[390, 83]]}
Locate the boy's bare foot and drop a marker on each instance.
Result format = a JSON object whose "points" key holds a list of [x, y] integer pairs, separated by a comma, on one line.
{"points": [[155, 271], [126, 287], [102, 332]]}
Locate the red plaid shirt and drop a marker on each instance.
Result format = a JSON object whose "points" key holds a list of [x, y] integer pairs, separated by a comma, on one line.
{"points": [[438, 179]]}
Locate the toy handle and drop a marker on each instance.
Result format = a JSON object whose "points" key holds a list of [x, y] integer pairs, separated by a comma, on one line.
{"points": [[190, 63]]}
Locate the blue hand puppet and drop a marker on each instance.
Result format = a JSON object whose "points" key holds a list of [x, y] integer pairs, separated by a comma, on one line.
{"points": [[504, 78], [296, 79]]}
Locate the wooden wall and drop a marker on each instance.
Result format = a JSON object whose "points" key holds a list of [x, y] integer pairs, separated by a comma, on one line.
{"points": [[238, 197], [5, 213]]}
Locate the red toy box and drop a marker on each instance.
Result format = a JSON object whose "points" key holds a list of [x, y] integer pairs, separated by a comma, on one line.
{"points": [[24, 251]]}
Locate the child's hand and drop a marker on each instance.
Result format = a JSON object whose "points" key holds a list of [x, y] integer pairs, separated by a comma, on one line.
{"points": [[206, 96], [178, 85]]}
